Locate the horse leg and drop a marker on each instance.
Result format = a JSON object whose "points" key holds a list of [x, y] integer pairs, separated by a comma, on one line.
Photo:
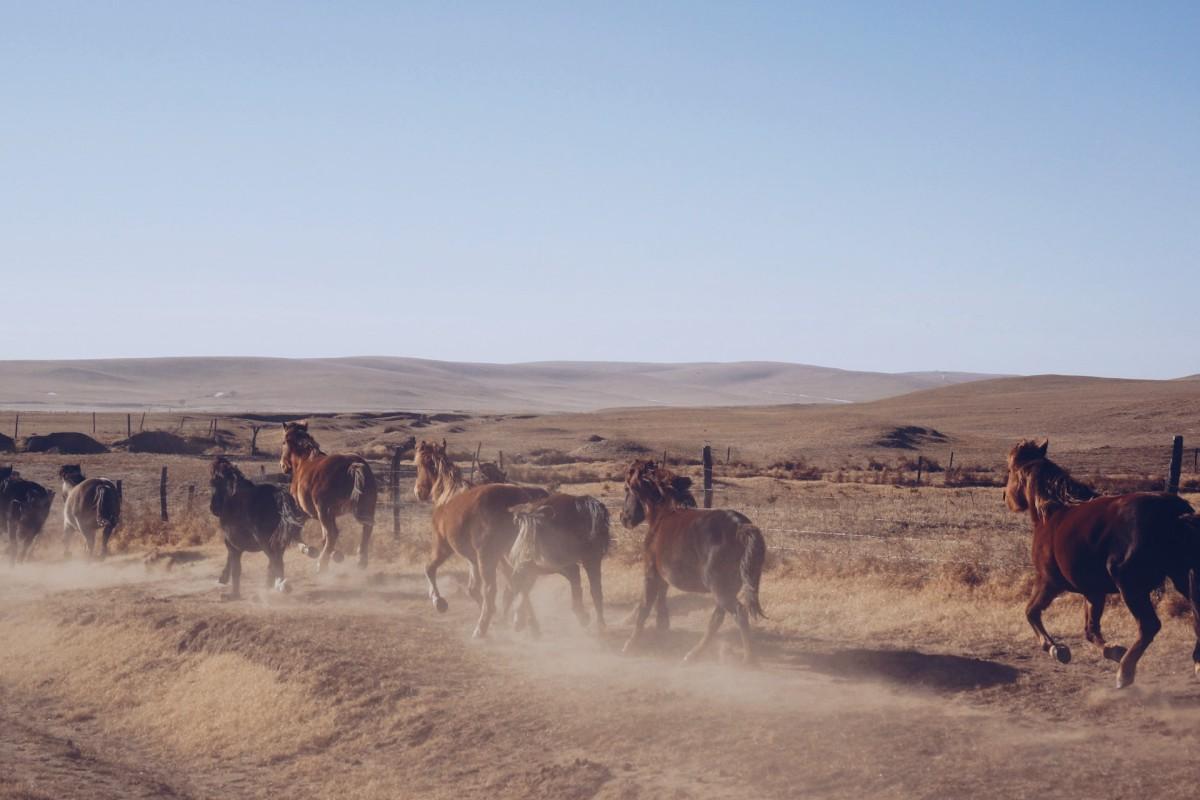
{"points": [[487, 571], [224, 579], [329, 530], [473, 582], [1043, 595], [506, 600], [281, 584], [714, 624], [1093, 608], [592, 567], [90, 536], [571, 573], [108, 532], [441, 551], [365, 546], [662, 618], [235, 574], [653, 587], [12, 544], [1139, 604]]}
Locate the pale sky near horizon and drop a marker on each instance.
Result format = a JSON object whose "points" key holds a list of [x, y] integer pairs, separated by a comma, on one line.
{"points": [[890, 187]]}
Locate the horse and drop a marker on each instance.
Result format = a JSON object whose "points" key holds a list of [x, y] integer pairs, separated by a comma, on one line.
{"points": [[1096, 546], [327, 486], [254, 517], [559, 534], [89, 505], [708, 551], [24, 506], [474, 521]]}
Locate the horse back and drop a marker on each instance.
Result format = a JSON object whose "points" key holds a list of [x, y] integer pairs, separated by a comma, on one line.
{"points": [[482, 515], [681, 542], [1084, 545], [328, 481]]}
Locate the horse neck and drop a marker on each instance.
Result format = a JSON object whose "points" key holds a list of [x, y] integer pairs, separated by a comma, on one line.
{"points": [[449, 483], [659, 510]]}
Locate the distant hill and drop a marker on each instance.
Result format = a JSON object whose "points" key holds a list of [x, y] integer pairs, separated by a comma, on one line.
{"points": [[381, 383]]}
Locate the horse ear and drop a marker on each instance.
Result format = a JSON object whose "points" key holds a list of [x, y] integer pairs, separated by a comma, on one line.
{"points": [[1044, 447]]}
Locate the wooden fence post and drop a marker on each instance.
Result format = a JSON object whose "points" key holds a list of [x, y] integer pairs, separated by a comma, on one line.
{"points": [[142, 423], [708, 466], [1196, 460], [664, 461], [920, 464], [128, 426], [262, 469], [475, 460], [728, 450], [951, 464], [502, 461], [254, 440], [93, 423], [120, 489], [16, 427], [395, 487], [1176, 465], [162, 493]]}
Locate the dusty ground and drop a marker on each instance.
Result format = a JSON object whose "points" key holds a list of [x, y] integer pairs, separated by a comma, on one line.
{"points": [[123, 681], [897, 662]]}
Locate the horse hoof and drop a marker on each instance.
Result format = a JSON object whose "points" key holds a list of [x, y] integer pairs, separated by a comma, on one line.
{"points": [[311, 552], [583, 618], [337, 557], [518, 623], [1123, 682], [1114, 653], [479, 634], [441, 605], [1062, 653], [282, 586]]}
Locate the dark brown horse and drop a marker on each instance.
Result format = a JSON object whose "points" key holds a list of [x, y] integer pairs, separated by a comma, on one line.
{"points": [[328, 486], [24, 506], [474, 521], [1097, 546], [709, 551], [90, 505], [255, 517], [560, 534]]}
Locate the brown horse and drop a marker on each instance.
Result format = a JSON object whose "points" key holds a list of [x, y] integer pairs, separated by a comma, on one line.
{"points": [[474, 521], [560, 534], [709, 551], [90, 505], [24, 506], [328, 486], [1097, 546]]}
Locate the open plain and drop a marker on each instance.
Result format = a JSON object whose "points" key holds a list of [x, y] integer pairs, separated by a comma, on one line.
{"points": [[896, 658]]}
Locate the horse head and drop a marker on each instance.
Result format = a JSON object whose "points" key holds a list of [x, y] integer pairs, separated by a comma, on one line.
{"points": [[298, 444], [1020, 457], [425, 459], [223, 479], [71, 475]]}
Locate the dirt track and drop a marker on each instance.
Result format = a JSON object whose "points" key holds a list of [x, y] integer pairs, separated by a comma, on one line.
{"points": [[356, 688]]}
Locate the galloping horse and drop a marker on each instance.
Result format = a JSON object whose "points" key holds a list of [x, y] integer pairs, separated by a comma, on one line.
{"points": [[89, 505], [474, 521], [253, 517], [709, 551], [558, 534], [1096, 546], [327, 486], [24, 506]]}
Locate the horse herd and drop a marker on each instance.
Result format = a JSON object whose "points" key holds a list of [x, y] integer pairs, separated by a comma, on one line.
{"points": [[1095, 546]]}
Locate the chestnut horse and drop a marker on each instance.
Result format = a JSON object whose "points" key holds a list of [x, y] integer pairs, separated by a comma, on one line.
{"points": [[560, 534], [327, 486], [1096, 546], [253, 517], [24, 506], [90, 505], [709, 551], [474, 521]]}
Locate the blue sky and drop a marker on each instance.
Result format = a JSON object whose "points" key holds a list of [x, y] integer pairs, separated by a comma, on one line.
{"points": [[1003, 187]]}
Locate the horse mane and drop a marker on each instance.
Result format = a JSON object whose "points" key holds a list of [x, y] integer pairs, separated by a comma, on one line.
{"points": [[222, 468], [669, 487], [300, 441], [1048, 486], [449, 480]]}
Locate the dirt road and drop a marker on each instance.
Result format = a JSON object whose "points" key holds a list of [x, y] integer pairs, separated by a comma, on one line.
{"points": [[146, 684]]}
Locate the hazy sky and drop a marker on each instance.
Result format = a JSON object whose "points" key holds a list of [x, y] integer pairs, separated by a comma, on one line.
{"points": [[892, 187]]}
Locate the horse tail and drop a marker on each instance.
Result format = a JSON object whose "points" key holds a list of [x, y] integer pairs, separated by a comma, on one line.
{"points": [[754, 554], [291, 518], [599, 535], [362, 496], [108, 505]]}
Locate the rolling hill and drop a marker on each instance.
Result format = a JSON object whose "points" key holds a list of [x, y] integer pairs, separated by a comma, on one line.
{"points": [[381, 383]]}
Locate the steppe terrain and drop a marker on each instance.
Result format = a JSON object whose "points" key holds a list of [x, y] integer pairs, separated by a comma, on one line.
{"points": [[897, 661]]}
